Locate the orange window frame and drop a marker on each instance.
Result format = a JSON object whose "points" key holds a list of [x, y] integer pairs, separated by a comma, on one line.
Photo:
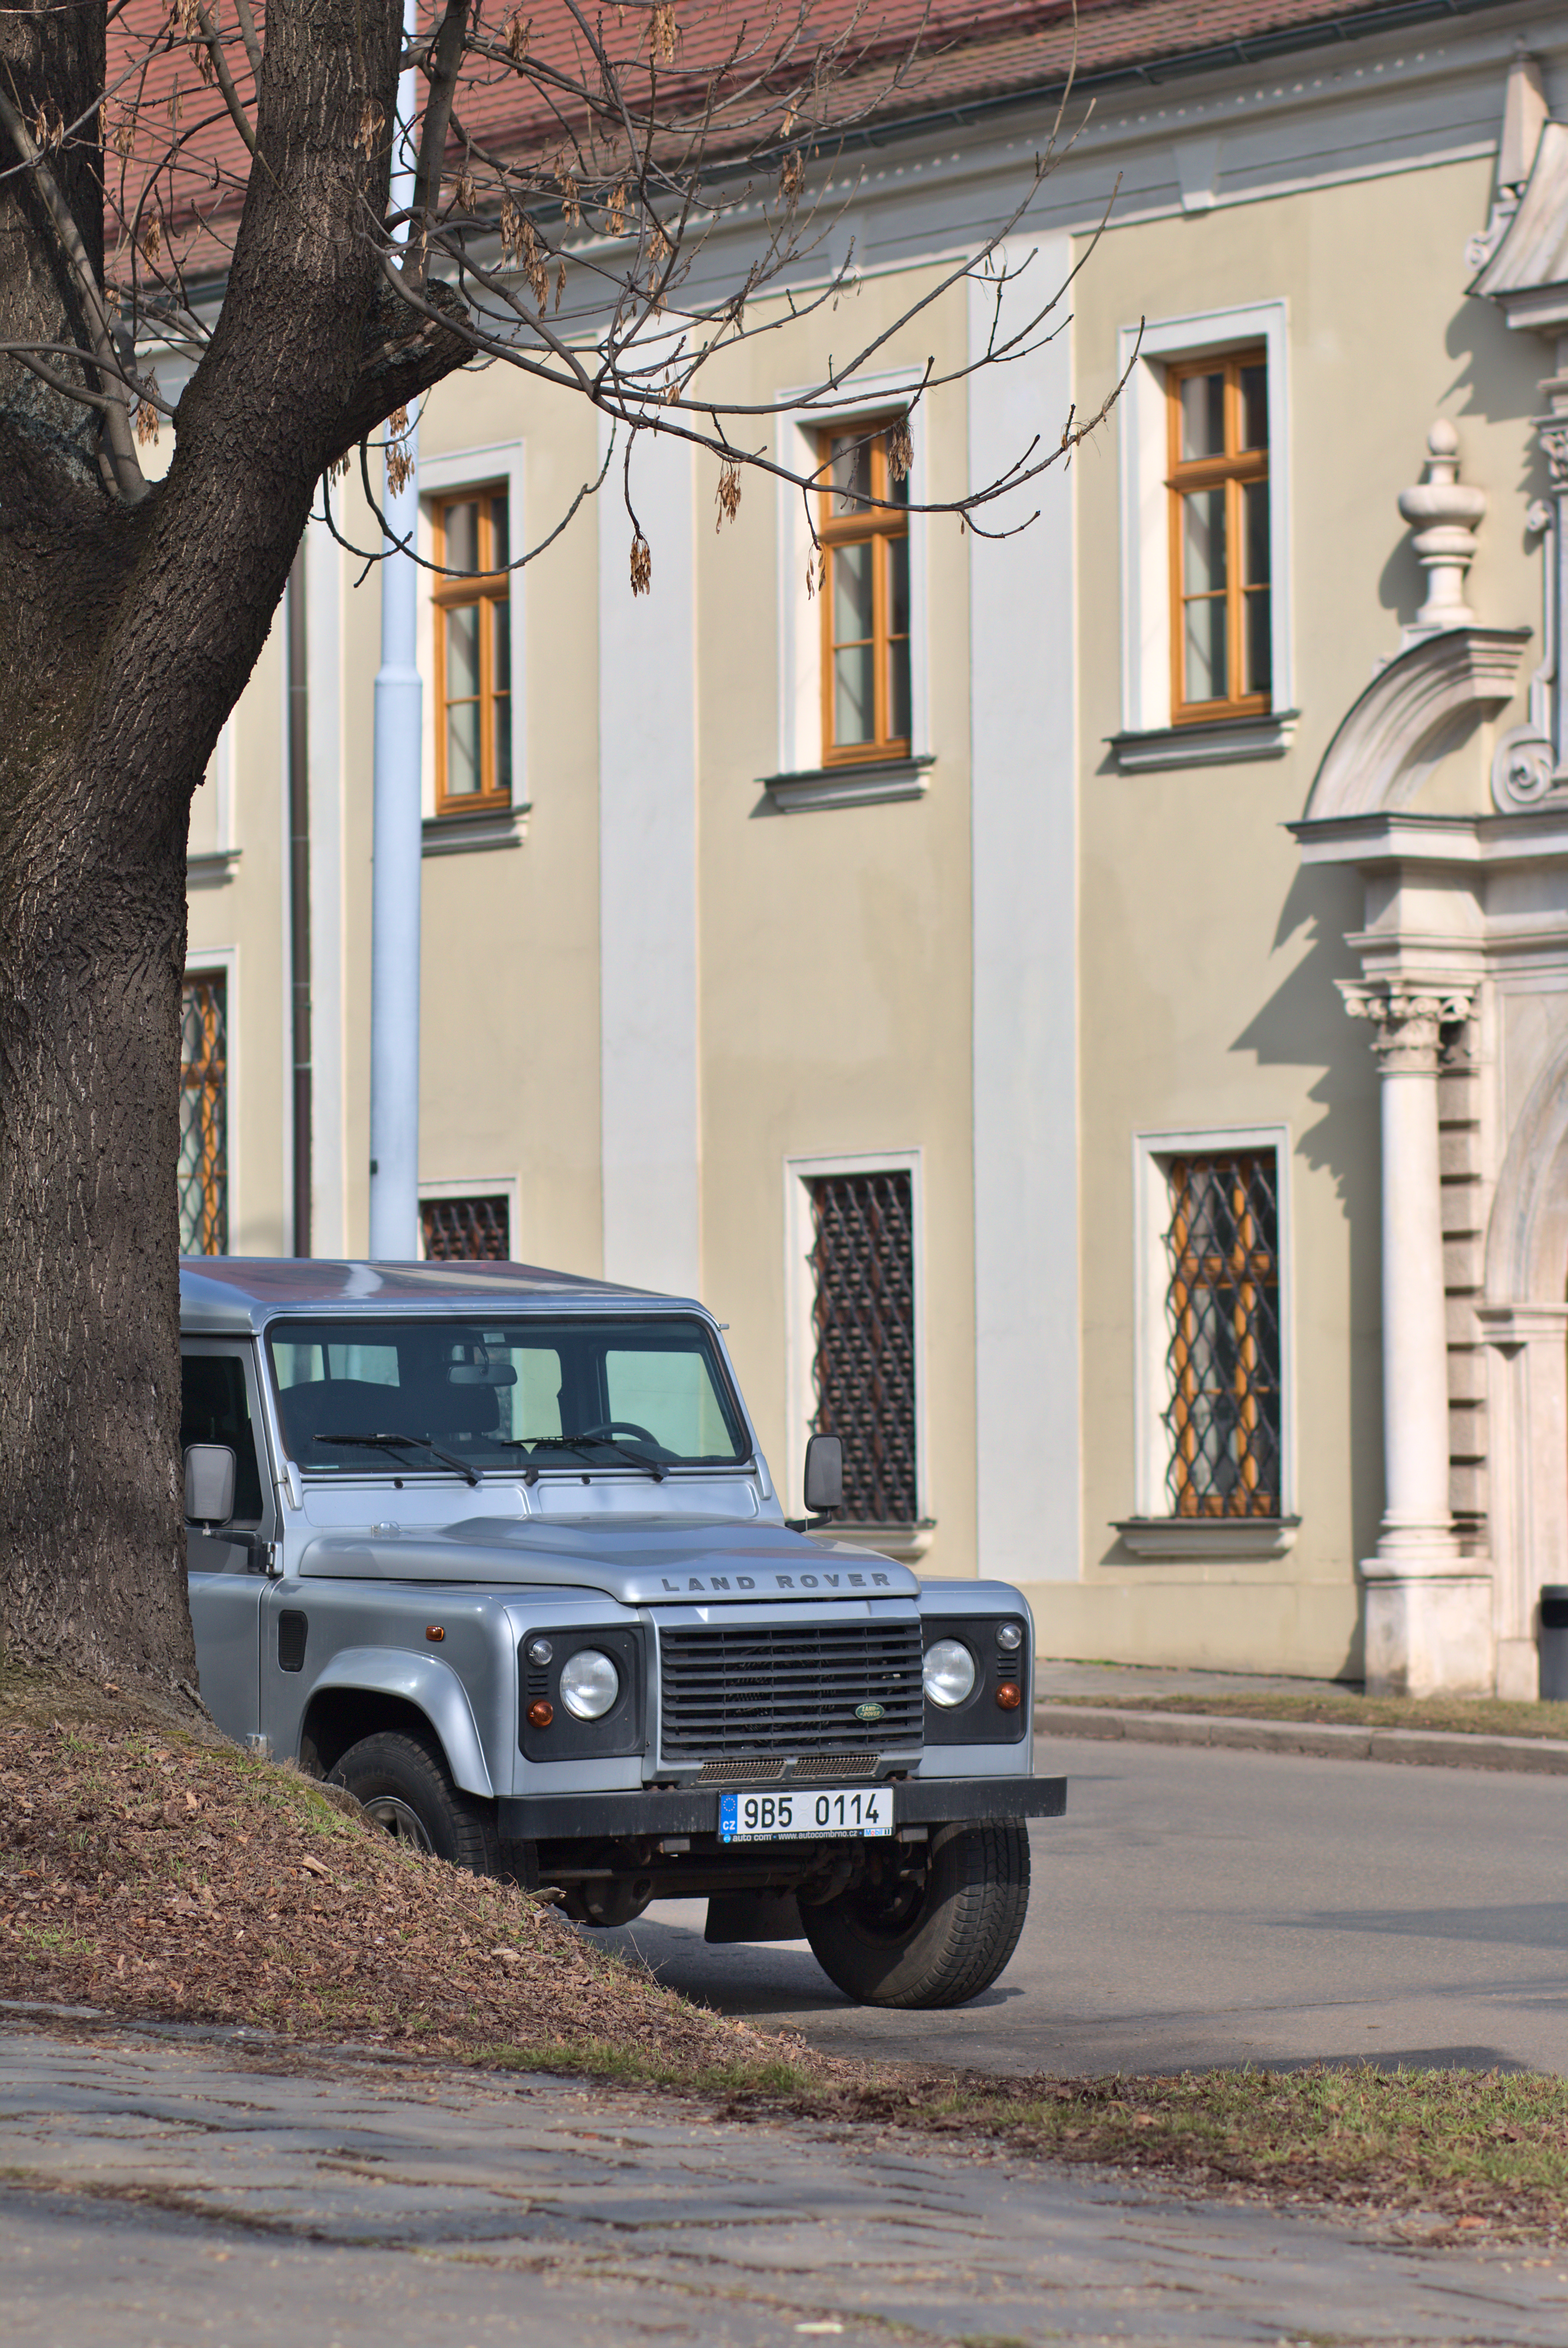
{"points": [[881, 524], [1231, 472], [486, 588]]}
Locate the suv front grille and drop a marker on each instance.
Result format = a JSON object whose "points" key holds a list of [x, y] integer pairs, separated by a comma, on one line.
{"points": [[783, 1688]]}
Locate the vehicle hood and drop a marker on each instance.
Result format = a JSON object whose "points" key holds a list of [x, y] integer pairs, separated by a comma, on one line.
{"points": [[649, 1561]]}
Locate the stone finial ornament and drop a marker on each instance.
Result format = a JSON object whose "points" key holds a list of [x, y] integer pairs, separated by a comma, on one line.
{"points": [[1444, 515]]}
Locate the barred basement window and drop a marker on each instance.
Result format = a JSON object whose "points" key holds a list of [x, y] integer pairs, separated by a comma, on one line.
{"points": [[203, 1176], [1223, 1310], [863, 1330], [466, 1231]]}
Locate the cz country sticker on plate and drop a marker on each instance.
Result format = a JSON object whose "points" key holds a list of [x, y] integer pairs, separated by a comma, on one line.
{"points": [[806, 1814]]}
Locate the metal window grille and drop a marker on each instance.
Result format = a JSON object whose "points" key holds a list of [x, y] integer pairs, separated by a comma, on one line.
{"points": [[862, 1263], [1223, 1307], [203, 1178], [466, 1231]]}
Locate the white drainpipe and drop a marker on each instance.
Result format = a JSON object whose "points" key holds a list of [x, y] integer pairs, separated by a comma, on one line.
{"points": [[398, 818]]}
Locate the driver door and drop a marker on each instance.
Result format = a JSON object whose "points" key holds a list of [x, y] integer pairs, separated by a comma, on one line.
{"points": [[219, 1402]]}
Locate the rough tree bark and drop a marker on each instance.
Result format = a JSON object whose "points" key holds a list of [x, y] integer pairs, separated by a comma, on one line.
{"points": [[128, 627]]}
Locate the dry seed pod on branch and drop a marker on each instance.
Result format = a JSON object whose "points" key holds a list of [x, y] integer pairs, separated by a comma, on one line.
{"points": [[727, 495], [642, 565]]}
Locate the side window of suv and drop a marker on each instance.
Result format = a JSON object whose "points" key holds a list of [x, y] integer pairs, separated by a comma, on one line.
{"points": [[215, 1408]]}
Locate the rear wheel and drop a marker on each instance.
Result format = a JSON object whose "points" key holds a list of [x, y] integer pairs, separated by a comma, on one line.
{"points": [[934, 1939], [404, 1789]]}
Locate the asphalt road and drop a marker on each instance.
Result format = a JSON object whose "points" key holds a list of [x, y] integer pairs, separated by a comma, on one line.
{"points": [[1198, 1907]]}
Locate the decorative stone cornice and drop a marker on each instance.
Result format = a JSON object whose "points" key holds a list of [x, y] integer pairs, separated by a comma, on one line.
{"points": [[1406, 721], [1408, 1018], [1526, 273]]}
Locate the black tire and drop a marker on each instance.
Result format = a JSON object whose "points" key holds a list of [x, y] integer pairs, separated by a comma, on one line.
{"points": [[407, 1791], [938, 1940]]}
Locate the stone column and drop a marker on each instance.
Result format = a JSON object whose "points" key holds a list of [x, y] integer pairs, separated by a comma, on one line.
{"points": [[1429, 1611]]}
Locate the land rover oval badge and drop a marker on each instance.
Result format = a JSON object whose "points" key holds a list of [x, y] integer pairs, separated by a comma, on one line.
{"points": [[870, 1712]]}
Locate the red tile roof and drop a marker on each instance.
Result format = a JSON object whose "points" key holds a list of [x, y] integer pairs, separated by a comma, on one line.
{"points": [[894, 62]]}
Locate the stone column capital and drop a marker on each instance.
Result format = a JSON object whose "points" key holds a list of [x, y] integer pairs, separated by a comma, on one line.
{"points": [[1408, 1018]]}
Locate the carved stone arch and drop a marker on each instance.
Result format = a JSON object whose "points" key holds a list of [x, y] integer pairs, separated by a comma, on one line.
{"points": [[1416, 709], [1527, 1231]]}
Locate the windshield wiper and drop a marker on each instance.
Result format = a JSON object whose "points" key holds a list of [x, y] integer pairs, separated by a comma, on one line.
{"points": [[583, 1447], [409, 1443]]}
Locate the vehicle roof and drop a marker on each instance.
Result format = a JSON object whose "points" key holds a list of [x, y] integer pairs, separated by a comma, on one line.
{"points": [[228, 1294]]}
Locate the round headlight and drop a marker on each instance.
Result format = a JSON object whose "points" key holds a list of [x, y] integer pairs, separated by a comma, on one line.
{"points": [[1010, 1638], [590, 1684], [949, 1672]]}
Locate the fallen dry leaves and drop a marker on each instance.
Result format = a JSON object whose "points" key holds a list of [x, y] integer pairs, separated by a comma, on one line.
{"points": [[143, 1871]]}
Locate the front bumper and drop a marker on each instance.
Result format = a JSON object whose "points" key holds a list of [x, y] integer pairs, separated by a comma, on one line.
{"points": [[694, 1809]]}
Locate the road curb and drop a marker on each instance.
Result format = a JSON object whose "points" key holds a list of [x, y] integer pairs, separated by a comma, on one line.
{"points": [[1419, 1747]]}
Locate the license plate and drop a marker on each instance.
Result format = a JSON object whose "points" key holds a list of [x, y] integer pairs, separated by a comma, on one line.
{"points": [[806, 1814]]}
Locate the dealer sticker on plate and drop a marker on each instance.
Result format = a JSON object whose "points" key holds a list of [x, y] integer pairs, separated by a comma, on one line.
{"points": [[804, 1814]]}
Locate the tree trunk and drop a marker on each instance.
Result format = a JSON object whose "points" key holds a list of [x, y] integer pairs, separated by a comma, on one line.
{"points": [[127, 632], [92, 941]]}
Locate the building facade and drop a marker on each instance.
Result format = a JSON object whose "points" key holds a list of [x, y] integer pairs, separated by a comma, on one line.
{"points": [[1089, 1007]]}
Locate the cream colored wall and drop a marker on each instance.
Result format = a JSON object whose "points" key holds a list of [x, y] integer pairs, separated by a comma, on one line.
{"points": [[508, 1040], [244, 917], [1207, 955], [835, 953], [835, 946]]}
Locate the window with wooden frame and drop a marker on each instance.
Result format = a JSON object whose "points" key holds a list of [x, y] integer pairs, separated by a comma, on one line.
{"points": [[864, 529], [1222, 626], [1222, 1315], [473, 651]]}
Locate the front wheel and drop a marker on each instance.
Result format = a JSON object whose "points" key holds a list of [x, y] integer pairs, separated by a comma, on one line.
{"points": [[404, 1789], [930, 1940]]}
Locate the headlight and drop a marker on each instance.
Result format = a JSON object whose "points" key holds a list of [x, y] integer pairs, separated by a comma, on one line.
{"points": [[590, 1684], [949, 1672]]}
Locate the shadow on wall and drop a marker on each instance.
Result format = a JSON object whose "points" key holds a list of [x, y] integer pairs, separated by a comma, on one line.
{"points": [[1303, 1024]]}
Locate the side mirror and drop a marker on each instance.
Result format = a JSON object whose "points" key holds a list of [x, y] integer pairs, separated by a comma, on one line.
{"points": [[208, 1484], [824, 1474]]}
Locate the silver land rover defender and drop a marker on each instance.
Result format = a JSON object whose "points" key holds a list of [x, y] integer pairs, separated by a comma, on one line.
{"points": [[497, 1550]]}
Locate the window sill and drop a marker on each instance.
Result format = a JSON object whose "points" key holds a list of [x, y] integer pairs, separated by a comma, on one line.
{"points": [[465, 835], [1216, 742], [212, 868], [1209, 1537], [849, 785], [906, 1543]]}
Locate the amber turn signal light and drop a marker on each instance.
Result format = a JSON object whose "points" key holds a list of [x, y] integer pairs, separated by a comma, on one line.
{"points": [[540, 1714], [1009, 1695], [435, 1632]]}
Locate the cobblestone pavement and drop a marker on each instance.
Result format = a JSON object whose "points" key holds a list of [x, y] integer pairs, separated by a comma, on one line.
{"points": [[1123, 1682], [166, 2192]]}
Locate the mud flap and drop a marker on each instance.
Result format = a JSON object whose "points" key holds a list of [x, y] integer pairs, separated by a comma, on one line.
{"points": [[753, 1916]]}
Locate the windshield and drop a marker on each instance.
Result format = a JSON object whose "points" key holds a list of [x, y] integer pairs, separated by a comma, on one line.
{"points": [[424, 1397]]}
